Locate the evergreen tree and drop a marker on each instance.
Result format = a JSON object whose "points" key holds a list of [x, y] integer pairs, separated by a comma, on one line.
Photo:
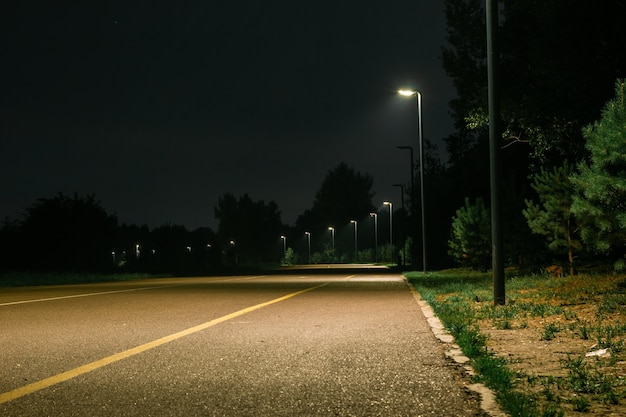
{"points": [[600, 201], [470, 241], [552, 217]]}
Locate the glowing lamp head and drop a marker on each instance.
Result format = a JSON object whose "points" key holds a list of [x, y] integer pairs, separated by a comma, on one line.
{"points": [[407, 93]]}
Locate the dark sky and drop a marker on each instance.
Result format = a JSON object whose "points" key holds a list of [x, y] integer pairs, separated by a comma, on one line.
{"points": [[158, 108]]}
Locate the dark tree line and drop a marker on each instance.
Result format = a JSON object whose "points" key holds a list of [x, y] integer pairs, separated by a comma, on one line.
{"points": [[66, 233]]}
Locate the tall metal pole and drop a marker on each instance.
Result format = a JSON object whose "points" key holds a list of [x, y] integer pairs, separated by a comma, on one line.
{"points": [[497, 257], [375, 216], [401, 237], [421, 152], [390, 204], [308, 235], [356, 249]]}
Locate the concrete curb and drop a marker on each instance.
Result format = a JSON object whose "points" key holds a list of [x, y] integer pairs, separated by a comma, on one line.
{"points": [[453, 352]]}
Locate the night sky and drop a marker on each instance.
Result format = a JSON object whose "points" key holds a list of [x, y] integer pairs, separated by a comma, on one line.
{"points": [[158, 108]]}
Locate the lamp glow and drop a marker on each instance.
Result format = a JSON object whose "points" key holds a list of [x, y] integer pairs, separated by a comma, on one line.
{"points": [[407, 93]]}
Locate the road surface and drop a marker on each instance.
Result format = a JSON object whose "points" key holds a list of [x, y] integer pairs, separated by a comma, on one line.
{"points": [[296, 344]]}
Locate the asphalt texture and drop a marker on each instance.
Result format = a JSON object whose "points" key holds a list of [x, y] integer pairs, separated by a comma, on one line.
{"points": [[296, 344]]}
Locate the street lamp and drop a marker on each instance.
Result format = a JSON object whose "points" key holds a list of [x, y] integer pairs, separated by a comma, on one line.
{"points": [[375, 216], [284, 239], [308, 235], [356, 249], [420, 136], [390, 204], [410, 148], [402, 228], [332, 237]]}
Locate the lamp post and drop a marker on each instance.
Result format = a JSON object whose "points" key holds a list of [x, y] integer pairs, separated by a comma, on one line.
{"points": [[390, 204], [418, 95], [410, 148], [308, 235], [356, 249], [332, 237], [375, 216], [402, 225], [284, 239]]}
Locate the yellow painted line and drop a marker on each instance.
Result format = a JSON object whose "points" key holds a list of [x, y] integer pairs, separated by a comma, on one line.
{"points": [[91, 294], [73, 373]]}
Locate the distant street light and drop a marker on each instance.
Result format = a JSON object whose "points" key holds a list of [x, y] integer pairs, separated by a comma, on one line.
{"points": [[375, 216], [390, 204], [332, 237], [410, 148], [308, 235], [402, 226], [284, 239], [356, 249], [418, 95]]}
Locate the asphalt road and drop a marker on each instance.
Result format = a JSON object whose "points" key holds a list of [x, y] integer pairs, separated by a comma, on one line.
{"points": [[307, 344]]}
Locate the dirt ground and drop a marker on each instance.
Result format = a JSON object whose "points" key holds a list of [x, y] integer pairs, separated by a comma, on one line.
{"points": [[559, 358]]}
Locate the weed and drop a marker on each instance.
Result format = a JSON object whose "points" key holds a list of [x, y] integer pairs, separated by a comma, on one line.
{"points": [[583, 379], [581, 403], [584, 330], [549, 331], [472, 342], [552, 411], [611, 398]]}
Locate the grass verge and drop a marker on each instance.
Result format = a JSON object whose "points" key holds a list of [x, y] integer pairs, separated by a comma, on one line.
{"points": [[547, 317]]}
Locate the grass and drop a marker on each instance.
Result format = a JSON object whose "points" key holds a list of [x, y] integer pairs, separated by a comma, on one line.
{"points": [[577, 309]]}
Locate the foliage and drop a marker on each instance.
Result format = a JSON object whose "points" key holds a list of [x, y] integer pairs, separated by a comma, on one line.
{"points": [[470, 241], [549, 89], [600, 201], [552, 217], [344, 194], [67, 233], [289, 258], [249, 228]]}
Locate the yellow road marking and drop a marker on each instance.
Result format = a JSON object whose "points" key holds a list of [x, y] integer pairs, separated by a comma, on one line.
{"points": [[91, 294], [73, 373]]}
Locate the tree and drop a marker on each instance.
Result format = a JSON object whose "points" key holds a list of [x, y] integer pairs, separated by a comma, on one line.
{"points": [[600, 201], [546, 60], [470, 240], [344, 195], [65, 233], [249, 228], [552, 217]]}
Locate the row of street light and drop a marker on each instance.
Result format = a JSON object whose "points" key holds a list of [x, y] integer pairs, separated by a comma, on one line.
{"points": [[331, 229], [418, 96]]}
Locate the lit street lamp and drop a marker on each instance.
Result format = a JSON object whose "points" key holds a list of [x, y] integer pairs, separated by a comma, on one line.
{"points": [[418, 95], [332, 237], [284, 239], [402, 202], [390, 204], [375, 216], [308, 235], [356, 249]]}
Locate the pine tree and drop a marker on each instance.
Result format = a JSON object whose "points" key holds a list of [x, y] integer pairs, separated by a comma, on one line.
{"points": [[552, 217], [470, 241], [600, 201]]}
